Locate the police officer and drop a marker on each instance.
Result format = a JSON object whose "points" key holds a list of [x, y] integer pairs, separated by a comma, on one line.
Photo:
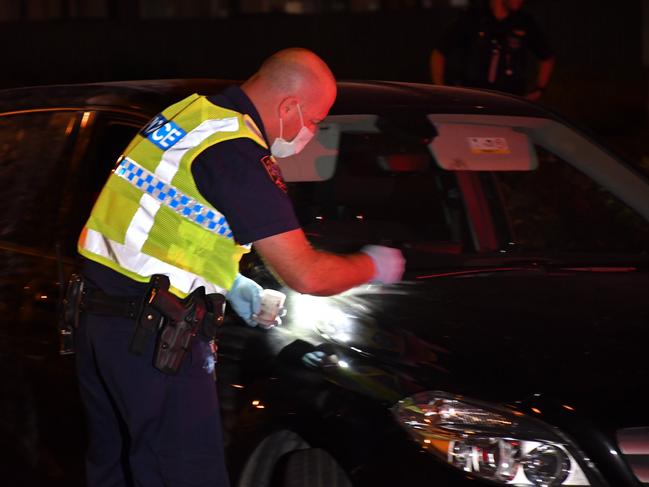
{"points": [[493, 45], [192, 189]]}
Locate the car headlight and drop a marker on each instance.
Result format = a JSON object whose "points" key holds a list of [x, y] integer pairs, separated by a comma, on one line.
{"points": [[498, 444]]}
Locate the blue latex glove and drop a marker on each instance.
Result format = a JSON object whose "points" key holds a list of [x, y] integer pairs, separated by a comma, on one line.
{"points": [[245, 298], [314, 359], [318, 359], [389, 263]]}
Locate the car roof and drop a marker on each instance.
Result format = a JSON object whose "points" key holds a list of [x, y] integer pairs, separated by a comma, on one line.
{"points": [[378, 97]]}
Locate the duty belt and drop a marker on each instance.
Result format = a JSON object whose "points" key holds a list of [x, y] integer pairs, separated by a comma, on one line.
{"points": [[95, 301]]}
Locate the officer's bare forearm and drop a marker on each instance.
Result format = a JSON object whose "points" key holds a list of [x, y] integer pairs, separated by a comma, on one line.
{"points": [[326, 274], [437, 67], [310, 271]]}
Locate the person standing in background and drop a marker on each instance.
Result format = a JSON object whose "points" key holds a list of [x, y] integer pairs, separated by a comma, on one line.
{"points": [[493, 44]]}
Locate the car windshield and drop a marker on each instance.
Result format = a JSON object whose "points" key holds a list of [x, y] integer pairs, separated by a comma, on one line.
{"points": [[405, 183]]}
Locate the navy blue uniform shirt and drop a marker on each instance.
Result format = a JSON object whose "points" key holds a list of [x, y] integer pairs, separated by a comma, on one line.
{"points": [[238, 178]]}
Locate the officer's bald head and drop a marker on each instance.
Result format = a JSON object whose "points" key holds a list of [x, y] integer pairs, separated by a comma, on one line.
{"points": [[293, 73], [293, 70]]}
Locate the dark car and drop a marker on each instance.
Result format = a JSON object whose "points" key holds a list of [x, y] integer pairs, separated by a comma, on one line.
{"points": [[513, 353]]}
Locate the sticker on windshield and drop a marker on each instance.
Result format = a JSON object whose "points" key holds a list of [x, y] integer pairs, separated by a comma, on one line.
{"points": [[489, 145]]}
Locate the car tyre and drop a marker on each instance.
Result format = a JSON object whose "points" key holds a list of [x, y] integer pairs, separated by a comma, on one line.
{"points": [[285, 459], [313, 467], [265, 458]]}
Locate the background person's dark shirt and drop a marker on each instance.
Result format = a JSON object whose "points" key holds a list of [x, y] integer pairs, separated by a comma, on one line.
{"points": [[484, 52], [233, 178]]}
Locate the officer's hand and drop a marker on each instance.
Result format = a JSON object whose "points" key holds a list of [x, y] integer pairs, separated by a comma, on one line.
{"points": [[245, 298], [388, 261], [318, 358]]}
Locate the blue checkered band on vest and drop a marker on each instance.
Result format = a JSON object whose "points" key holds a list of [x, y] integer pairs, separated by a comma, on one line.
{"points": [[171, 197]]}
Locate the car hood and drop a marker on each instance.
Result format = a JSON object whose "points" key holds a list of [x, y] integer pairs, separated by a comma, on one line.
{"points": [[575, 334]]}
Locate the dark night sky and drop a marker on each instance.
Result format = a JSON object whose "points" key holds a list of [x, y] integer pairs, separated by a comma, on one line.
{"points": [[599, 78]]}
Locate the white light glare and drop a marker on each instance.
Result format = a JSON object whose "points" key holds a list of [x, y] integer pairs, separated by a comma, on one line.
{"points": [[342, 337], [311, 311]]}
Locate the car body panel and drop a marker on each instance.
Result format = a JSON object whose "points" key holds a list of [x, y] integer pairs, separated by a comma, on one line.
{"points": [[556, 335]]}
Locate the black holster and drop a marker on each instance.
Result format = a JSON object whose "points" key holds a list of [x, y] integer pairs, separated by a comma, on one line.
{"points": [[180, 320]]}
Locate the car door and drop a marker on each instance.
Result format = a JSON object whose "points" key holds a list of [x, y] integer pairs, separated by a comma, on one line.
{"points": [[35, 149], [53, 163]]}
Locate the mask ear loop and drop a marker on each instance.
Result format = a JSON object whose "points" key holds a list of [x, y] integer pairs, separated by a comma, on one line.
{"points": [[299, 111], [281, 122]]}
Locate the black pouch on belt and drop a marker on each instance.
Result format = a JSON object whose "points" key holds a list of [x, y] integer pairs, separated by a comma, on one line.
{"points": [[214, 315], [69, 320], [149, 318], [182, 321]]}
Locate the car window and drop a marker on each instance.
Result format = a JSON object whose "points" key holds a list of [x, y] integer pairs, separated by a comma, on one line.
{"points": [[111, 139], [385, 191], [375, 179], [558, 208], [33, 166]]}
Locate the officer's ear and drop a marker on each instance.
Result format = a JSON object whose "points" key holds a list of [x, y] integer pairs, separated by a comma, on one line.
{"points": [[286, 106]]}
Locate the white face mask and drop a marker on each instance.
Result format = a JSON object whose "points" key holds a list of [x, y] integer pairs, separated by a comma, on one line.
{"points": [[283, 148]]}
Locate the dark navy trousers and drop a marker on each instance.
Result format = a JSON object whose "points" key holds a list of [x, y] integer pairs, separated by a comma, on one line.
{"points": [[146, 428]]}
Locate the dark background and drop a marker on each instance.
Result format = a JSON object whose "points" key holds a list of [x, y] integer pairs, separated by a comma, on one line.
{"points": [[600, 79]]}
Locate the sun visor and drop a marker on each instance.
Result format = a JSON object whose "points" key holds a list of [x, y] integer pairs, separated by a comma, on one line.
{"points": [[476, 147], [317, 161]]}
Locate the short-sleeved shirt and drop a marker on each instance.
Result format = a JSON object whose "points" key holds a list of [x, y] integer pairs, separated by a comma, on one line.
{"points": [[493, 53], [238, 178]]}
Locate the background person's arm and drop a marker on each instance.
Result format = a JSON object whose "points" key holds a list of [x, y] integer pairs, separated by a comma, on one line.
{"points": [[437, 67], [546, 67], [541, 48], [457, 35]]}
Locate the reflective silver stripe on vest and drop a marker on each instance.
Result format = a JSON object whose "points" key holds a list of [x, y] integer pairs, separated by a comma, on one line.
{"points": [[138, 230], [145, 265], [171, 197], [170, 162]]}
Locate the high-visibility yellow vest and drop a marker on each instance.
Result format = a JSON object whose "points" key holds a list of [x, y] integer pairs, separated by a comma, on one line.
{"points": [[150, 217]]}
